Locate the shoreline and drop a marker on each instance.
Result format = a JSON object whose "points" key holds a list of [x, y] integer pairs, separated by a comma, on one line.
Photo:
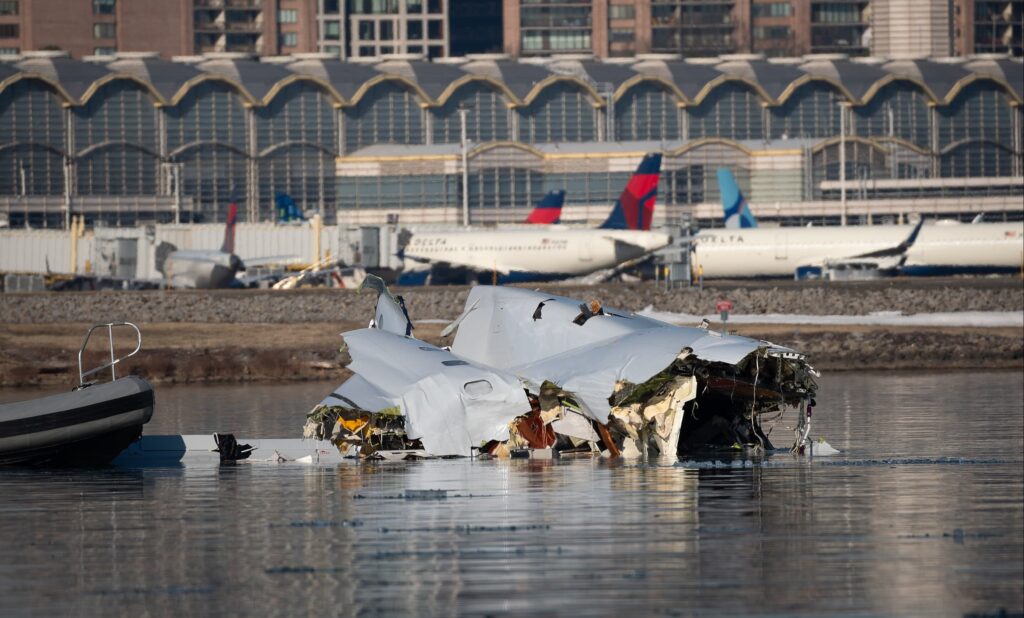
{"points": [[194, 353], [237, 336]]}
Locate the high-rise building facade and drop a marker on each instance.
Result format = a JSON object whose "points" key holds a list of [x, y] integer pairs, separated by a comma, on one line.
{"points": [[701, 28], [168, 27], [907, 28], [987, 26], [343, 28]]}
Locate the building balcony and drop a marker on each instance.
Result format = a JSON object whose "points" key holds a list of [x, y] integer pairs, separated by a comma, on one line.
{"points": [[244, 26], [229, 4]]}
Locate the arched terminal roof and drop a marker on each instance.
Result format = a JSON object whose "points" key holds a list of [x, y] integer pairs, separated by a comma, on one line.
{"points": [[259, 80]]}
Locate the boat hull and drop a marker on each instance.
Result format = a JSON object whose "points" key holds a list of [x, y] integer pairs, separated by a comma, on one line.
{"points": [[86, 427]]}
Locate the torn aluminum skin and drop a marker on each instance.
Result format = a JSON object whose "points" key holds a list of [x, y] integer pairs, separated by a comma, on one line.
{"points": [[533, 335], [573, 376], [449, 404]]}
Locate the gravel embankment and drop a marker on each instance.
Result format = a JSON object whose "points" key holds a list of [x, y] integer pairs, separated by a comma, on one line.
{"points": [[209, 336], [305, 306]]}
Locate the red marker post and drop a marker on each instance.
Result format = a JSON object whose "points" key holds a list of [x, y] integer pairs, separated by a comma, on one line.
{"points": [[723, 307]]}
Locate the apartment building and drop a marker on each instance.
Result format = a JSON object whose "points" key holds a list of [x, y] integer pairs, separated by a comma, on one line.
{"points": [[704, 28], [344, 28]]}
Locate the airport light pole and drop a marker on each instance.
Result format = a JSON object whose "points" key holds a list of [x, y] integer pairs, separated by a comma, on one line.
{"points": [[842, 163], [463, 110]]}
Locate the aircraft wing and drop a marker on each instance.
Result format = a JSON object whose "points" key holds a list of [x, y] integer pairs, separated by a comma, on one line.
{"points": [[271, 259], [896, 251], [889, 258]]}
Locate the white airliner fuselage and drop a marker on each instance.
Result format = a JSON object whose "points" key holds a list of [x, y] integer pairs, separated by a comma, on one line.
{"points": [[528, 255], [778, 252], [201, 269]]}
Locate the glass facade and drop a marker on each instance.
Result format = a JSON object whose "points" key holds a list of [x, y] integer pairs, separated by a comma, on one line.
{"points": [[555, 26], [562, 112], [487, 118], [387, 114], [900, 109], [692, 27], [124, 142], [731, 111], [811, 111], [648, 111]]}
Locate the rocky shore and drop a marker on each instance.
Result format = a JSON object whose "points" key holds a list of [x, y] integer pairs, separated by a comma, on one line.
{"points": [[327, 305], [198, 336]]}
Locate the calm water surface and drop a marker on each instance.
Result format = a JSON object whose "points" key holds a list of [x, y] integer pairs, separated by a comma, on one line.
{"points": [[922, 514]]}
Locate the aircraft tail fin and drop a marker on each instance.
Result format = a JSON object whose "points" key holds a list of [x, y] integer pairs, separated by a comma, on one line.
{"points": [[548, 209], [229, 227], [735, 206], [286, 209], [634, 209]]}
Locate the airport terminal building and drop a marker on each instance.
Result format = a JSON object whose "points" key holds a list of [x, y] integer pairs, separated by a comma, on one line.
{"points": [[133, 138]]}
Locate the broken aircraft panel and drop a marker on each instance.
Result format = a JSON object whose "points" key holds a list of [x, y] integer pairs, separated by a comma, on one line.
{"points": [[528, 370]]}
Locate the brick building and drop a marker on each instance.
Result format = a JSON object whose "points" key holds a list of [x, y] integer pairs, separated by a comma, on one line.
{"points": [[352, 28], [610, 28]]}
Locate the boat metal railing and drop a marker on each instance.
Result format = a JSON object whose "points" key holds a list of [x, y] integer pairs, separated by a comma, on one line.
{"points": [[113, 361]]}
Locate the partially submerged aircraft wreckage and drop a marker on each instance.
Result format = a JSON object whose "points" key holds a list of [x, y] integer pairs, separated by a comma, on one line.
{"points": [[531, 374]]}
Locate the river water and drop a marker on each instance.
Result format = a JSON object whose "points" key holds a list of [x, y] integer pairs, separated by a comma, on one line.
{"points": [[921, 514]]}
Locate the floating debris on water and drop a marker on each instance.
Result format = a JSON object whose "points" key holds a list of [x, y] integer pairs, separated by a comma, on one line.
{"points": [[530, 375]]}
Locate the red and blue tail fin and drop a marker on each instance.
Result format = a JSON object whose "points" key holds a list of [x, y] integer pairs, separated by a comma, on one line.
{"points": [[229, 228], [634, 209], [549, 208]]}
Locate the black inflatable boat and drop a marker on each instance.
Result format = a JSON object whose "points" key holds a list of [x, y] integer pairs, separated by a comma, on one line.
{"points": [[90, 425]]}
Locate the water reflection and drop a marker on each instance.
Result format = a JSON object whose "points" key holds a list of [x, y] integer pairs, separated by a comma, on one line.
{"points": [[576, 536]]}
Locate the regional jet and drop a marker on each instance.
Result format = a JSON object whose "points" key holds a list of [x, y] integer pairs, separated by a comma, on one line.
{"points": [[548, 254], [744, 250], [207, 269]]}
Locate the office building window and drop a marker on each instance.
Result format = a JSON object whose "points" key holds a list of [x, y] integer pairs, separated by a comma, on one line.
{"points": [[9, 51], [332, 31], [104, 51], [835, 14], [621, 11], [289, 39], [287, 16], [9, 7], [104, 7], [9, 31], [762, 33], [414, 30], [622, 35], [104, 31], [773, 9], [375, 7]]}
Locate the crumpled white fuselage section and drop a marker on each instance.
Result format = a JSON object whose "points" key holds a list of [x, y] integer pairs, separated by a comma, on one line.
{"points": [[450, 404], [589, 359]]}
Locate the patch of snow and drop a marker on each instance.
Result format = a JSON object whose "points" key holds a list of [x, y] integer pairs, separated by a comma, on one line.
{"points": [[987, 319]]}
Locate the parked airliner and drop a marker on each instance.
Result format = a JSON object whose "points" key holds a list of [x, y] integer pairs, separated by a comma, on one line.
{"points": [[746, 250], [546, 254], [207, 269]]}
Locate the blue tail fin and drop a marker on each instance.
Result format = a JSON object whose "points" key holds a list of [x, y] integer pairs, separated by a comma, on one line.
{"points": [[737, 210], [634, 209], [286, 209]]}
